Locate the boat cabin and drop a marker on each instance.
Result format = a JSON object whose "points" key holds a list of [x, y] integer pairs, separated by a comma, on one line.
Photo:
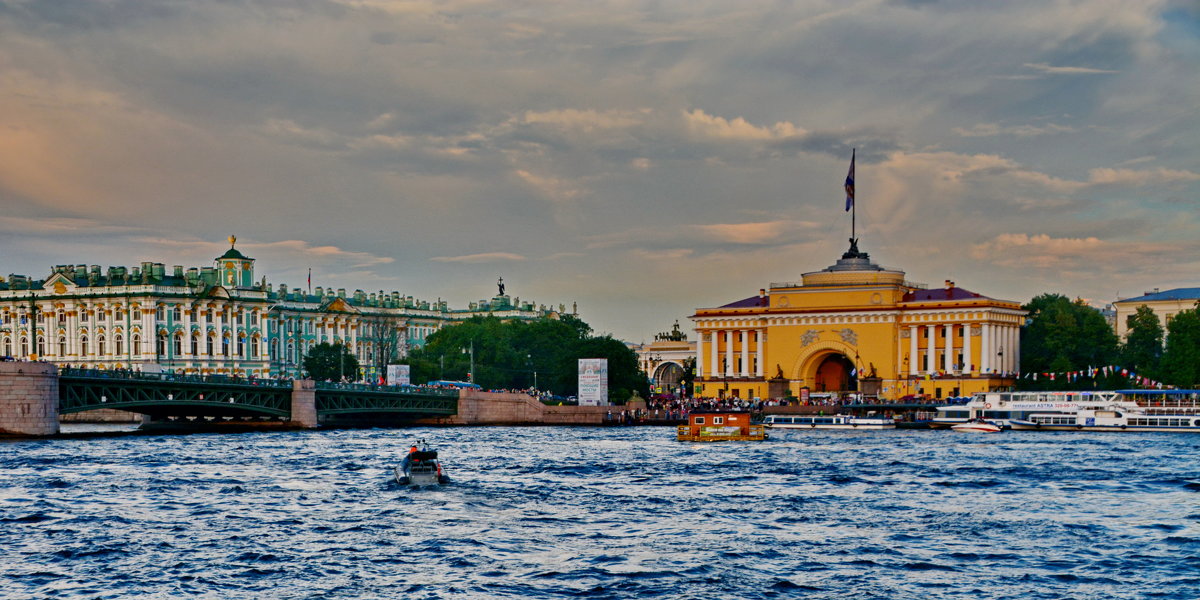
{"points": [[719, 427]]}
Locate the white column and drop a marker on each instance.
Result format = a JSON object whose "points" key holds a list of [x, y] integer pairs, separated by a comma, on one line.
{"points": [[968, 362], [715, 358], [728, 371], [762, 335], [73, 333], [931, 348], [699, 355], [1010, 354], [985, 347], [1016, 349], [912, 350], [948, 359], [745, 353]]}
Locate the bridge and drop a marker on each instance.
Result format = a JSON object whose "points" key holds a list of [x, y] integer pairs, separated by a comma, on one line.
{"points": [[38, 393]]}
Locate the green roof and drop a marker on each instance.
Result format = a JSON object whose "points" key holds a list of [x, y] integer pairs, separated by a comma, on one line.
{"points": [[233, 253]]}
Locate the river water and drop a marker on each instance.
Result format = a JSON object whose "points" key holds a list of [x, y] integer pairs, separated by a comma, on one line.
{"points": [[555, 512]]}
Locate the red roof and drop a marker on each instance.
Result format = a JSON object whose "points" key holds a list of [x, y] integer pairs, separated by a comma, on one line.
{"points": [[954, 293], [751, 302]]}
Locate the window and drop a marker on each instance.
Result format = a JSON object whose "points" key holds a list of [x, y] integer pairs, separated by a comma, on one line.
{"points": [[24, 346], [161, 313], [178, 344], [718, 420], [699, 420], [62, 317], [241, 347], [254, 347], [100, 345], [195, 344], [83, 346], [83, 316], [225, 345], [177, 314], [119, 342], [8, 346], [62, 346], [136, 346], [120, 314], [211, 343], [162, 345], [254, 319]]}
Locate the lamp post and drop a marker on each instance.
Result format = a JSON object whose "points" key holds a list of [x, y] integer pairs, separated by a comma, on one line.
{"points": [[471, 351]]}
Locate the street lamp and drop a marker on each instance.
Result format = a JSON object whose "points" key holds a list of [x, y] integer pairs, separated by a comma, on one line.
{"points": [[471, 373]]}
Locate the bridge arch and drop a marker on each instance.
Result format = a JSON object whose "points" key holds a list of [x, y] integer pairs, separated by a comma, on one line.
{"points": [[668, 374]]}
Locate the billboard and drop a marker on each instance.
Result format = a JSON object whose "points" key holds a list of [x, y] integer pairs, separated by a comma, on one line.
{"points": [[398, 375], [593, 381]]}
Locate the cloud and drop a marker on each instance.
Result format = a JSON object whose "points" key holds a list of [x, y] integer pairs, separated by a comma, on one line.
{"points": [[482, 258], [993, 129], [587, 120], [703, 125], [1131, 177], [751, 233], [1053, 70]]}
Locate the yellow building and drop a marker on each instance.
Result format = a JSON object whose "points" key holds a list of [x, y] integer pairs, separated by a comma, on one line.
{"points": [[1164, 304], [856, 327]]}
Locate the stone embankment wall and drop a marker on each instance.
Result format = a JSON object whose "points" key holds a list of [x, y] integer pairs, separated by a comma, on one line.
{"points": [[28, 398], [503, 408]]}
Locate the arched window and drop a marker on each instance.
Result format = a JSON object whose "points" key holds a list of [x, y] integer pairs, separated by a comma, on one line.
{"points": [[211, 342], [274, 349], [62, 317], [177, 313], [7, 346], [24, 346], [136, 344], [161, 312], [225, 345], [254, 347], [241, 346], [161, 346], [195, 344], [179, 344], [62, 346], [120, 315], [83, 346], [119, 344], [291, 352]]}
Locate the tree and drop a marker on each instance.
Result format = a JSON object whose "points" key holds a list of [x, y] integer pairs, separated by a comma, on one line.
{"points": [[1064, 335], [1181, 359], [1143, 347], [331, 362], [381, 342]]}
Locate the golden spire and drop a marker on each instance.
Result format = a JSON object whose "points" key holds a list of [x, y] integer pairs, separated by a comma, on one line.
{"points": [[232, 240]]}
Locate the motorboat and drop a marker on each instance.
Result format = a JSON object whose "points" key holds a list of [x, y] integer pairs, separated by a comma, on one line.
{"points": [[828, 422], [420, 467], [976, 426]]}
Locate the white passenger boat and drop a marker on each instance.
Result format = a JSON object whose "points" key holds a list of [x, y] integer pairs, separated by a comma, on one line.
{"points": [[828, 422], [1000, 408], [1122, 416], [976, 426]]}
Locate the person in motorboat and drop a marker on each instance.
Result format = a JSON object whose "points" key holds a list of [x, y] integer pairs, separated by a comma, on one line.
{"points": [[420, 467]]}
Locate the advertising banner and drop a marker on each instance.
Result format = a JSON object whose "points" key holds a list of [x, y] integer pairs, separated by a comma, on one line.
{"points": [[593, 381], [398, 375]]}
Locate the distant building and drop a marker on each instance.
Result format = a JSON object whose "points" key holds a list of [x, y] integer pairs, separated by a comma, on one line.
{"points": [[1164, 304], [214, 320], [666, 360], [857, 327]]}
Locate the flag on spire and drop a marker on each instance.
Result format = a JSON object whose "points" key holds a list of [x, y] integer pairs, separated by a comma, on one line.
{"points": [[850, 183]]}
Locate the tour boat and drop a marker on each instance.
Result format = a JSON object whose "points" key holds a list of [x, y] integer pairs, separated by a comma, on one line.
{"points": [[1122, 416], [828, 422], [420, 467], [1000, 408], [976, 426], [720, 427]]}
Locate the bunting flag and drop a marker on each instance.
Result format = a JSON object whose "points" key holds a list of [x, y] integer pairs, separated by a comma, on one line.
{"points": [[850, 182]]}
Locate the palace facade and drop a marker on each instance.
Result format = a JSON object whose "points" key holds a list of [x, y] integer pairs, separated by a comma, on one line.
{"points": [[856, 327], [215, 320]]}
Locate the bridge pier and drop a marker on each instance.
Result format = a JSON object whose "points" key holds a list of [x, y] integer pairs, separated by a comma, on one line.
{"points": [[28, 398], [304, 403]]}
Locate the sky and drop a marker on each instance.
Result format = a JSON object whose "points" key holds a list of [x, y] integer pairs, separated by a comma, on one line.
{"points": [[640, 159]]}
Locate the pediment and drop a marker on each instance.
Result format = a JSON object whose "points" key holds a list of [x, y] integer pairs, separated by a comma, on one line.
{"points": [[338, 305], [59, 284], [217, 291]]}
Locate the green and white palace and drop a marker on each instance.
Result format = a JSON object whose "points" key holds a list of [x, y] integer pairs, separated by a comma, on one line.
{"points": [[214, 320]]}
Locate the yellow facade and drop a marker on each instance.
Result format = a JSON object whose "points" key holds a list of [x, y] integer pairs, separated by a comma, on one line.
{"points": [[855, 327]]}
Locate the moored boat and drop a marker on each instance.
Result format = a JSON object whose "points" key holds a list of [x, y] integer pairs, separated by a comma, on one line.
{"points": [[1122, 417], [828, 422], [720, 427]]}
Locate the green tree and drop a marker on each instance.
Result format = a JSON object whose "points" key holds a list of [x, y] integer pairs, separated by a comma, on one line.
{"points": [[1063, 335], [331, 362], [1143, 347], [1181, 359]]}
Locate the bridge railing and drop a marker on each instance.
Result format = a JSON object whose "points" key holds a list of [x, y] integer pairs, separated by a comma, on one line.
{"points": [[174, 377], [394, 389]]}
